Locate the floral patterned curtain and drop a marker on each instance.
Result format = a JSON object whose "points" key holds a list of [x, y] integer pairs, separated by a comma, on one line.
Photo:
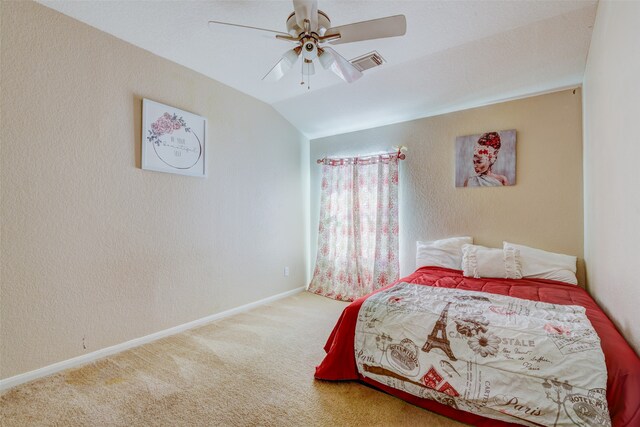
{"points": [[358, 230]]}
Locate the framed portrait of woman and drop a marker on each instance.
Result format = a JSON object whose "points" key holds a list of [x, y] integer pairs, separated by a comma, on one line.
{"points": [[486, 159]]}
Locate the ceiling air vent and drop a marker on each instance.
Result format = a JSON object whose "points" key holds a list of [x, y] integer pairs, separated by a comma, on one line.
{"points": [[367, 61]]}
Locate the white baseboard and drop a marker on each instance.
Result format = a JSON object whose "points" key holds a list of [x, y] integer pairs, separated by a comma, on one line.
{"points": [[90, 357]]}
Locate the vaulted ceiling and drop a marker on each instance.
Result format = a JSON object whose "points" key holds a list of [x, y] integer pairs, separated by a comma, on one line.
{"points": [[455, 54]]}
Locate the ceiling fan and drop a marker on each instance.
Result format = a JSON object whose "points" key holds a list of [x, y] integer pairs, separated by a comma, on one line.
{"points": [[309, 29]]}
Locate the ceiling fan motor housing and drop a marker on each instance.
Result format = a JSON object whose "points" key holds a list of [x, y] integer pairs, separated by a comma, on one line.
{"points": [[324, 23]]}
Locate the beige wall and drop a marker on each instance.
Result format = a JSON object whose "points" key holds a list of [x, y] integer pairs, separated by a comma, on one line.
{"points": [[611, 173], [93, 248], [543, 209]]}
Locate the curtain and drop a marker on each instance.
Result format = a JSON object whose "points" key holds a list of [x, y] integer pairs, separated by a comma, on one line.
{"points": [[358, 229]]}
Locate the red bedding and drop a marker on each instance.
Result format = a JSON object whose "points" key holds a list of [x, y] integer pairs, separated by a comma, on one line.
{"points": [[623, 365]]}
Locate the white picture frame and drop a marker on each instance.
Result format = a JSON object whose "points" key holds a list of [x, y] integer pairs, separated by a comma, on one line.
{"points": [[173, 140]]}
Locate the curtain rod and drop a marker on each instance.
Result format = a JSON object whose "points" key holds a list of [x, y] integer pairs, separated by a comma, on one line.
{"points": [[356, 159]]}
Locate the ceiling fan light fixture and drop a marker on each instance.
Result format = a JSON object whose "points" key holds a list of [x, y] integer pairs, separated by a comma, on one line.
{"points": [[308, 69], [309, 48], [291, 56], [326, 59], [309, 28], [286, 62]]}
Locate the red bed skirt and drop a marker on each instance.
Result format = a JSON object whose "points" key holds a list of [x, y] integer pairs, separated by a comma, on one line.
{"points": [[623, 365]]}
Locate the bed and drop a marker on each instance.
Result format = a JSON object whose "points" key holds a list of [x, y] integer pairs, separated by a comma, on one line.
{"points": [[622, 374]]}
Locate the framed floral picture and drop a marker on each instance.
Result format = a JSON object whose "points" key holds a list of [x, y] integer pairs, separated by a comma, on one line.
{"points": [[486, 160], [173, 140]]}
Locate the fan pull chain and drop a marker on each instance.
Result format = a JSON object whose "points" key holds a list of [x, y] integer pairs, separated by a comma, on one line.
{"points": [[308, 74]]}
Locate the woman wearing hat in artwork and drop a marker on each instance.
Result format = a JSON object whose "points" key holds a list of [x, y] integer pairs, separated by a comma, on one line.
{"points": [[485, 154]]}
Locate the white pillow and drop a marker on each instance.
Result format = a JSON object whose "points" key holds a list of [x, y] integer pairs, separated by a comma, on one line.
{"points": [[478, 261], [445, 253], [541, 264]]}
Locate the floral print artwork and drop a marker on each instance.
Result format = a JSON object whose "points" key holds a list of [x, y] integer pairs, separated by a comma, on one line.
{"points": [[358, 229], [173, 140], [166, 124]]}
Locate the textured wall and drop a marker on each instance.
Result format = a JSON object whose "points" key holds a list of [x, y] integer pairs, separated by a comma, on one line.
{"points": [[543, 209], [611, 153], [96, 250]]}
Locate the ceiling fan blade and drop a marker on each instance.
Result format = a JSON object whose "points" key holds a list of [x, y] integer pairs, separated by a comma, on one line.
{"points": [[391, 26], [306, 9], [341, 66], [227, 25], [285, 64]]}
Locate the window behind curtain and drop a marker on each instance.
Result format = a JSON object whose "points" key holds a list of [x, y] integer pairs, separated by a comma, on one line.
{"points": [[358, 229]]}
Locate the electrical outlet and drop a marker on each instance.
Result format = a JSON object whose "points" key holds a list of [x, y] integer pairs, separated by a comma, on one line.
{"points": [[286, 272]]}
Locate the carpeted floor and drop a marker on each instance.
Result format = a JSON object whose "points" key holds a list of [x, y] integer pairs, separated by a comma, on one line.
{"points": [[252, 369]]}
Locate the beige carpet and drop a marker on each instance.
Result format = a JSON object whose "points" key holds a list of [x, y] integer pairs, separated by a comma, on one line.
{"points": [[252, 369]]}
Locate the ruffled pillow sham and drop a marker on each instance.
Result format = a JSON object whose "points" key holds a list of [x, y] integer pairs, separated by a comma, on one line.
{"points": [[479, 261], [540, 264]]}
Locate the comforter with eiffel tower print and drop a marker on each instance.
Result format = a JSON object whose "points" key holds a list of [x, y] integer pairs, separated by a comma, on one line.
{"points": [[516, 360]]}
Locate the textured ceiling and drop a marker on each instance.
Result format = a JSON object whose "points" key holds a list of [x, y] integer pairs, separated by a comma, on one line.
{"points": [[455, 55]]}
